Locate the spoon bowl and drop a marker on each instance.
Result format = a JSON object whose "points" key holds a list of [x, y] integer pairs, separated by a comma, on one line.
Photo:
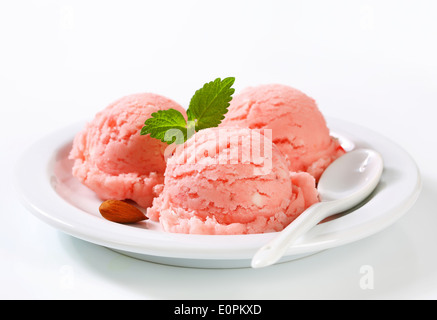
{"points": [[348, 181], [351, 178]]}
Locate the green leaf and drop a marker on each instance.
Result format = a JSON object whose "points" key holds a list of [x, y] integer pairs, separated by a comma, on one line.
{"points": [[206, 110], [210, 103], [166, 125]]}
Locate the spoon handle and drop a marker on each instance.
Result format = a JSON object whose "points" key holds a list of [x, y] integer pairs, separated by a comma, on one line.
{"points": [[274, 250]]}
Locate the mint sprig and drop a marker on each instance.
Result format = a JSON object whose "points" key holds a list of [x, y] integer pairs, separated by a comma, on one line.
{"points": [[206, 110]]}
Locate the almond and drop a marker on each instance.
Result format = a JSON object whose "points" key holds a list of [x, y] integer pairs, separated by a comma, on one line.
{"points": [[121, 212]]}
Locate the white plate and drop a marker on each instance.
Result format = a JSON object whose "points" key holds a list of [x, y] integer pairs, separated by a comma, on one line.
{"points": [[50, 192]]}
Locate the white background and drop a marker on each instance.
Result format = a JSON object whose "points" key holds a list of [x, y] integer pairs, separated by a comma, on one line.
{"points": [[373, 63]]}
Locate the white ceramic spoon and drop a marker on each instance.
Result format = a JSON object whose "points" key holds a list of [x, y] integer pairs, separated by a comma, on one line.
{"points": [[344, 184]]}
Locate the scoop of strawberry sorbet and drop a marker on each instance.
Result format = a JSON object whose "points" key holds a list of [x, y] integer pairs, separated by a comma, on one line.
{"points": [[113, 159], [230, 181], [299, 129]]}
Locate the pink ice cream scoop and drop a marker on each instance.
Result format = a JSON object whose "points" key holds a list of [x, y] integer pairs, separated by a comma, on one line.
{"points": [[230, 181], [113, 159], [299, 128]]}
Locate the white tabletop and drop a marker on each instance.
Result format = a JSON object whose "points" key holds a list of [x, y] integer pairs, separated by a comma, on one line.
{"points": [[368, 62]]}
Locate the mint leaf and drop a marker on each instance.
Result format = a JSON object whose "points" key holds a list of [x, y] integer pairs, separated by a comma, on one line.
{"points": [[206, 110], [210, 103], [166, 125]]}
